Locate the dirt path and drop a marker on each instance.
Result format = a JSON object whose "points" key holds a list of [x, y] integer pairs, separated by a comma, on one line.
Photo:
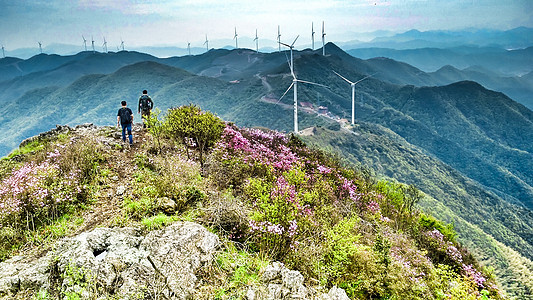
{"points": [[109, 199]]}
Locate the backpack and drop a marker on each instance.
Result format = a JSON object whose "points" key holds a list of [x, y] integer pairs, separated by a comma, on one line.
{"points": [[145, 103], [125, 116]]}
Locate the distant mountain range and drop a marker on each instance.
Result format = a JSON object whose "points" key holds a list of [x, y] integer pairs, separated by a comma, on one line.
{"points": [[517, 38], [467, 147]]}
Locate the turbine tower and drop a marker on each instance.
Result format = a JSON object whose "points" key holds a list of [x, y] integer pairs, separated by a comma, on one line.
{"points": [[323, 40], [122, 44], [92, 42], [235, 38], [312, 37], [279, 40], [256, 42], [84, 42], [206, 43], [352, 84], [3, 52], [295, 85], [40, 47], [104, 45], [189, 47]]}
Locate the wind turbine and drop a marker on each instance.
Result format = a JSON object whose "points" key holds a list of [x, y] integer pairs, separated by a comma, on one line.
{"points": [[291, 46], [92, 42], [235, 38], [352, 84], [295, 85], [323, 40], [84, 42], [279, 40], [189, 47], [312, 37], [104, 45], [256, 42], [40, 47], [3, 52], [122, 44], [206, 43]]}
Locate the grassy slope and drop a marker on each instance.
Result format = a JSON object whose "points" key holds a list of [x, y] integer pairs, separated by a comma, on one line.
{"points": [[460, 200]]}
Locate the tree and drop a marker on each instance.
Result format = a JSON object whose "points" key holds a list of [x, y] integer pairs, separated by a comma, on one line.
{"points": [[193, 127], [155, 127]]}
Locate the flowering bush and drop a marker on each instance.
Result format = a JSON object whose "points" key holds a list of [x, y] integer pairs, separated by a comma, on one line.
{"points": [[335, 224], [40, 190], [291, 194]]}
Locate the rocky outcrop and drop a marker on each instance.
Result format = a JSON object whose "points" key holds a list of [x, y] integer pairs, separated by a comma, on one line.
{"points": [[119, 262], [125, 264], [278, 282]]}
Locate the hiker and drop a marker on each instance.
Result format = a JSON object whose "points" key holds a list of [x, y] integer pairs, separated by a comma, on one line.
{"points": [[125, 118], [145, 106]]}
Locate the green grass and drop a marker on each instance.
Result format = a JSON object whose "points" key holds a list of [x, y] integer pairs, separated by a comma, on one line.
{"points": [[239, 269], [158, 221]]}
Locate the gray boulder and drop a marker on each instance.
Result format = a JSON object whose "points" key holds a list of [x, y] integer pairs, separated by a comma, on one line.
{"points": [[118, 261], [278, 282]]}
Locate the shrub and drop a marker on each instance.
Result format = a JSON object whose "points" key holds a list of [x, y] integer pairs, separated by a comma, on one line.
{"points": [[156, 128], [228, 215], [194, 128]]}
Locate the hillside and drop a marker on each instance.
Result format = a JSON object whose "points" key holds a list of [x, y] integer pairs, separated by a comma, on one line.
{"points": [[266, 196], [489, 146], [473, 211], [494, 68]]}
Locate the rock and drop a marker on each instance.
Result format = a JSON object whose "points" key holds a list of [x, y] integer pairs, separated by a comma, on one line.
{"points": [[84, 125], [178, 251], [122, 261], [121, 190], [167, 205], [282, 283], [336, 293], [272, 272]]}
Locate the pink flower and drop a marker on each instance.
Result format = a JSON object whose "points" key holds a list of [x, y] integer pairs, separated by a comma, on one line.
{"points": [[474, 275], [373, 206], [324, 170]]}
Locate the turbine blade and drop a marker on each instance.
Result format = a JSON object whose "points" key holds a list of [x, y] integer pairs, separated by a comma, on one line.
{"points": [[284, 44], [294, 40], [364, 78], [290, 86], [343, 77], [313, 83]]}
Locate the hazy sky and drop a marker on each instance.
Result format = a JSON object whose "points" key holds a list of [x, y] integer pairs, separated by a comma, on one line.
{"points": [[174, 22]]}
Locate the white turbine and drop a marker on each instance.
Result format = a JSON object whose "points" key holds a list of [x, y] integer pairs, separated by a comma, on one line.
{"points": [[84, 42], [323, 40], [312, 37], [40, 47], [279, 40], [256, 42], [122, 44], [92, 42], [3, 52], [235, 38], [352, 84], [295, 85], [189, 47], [104, 46], [206, 43]]}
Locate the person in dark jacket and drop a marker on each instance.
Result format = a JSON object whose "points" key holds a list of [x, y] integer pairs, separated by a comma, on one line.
{"points": [[145, 106], [125, 119]]}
